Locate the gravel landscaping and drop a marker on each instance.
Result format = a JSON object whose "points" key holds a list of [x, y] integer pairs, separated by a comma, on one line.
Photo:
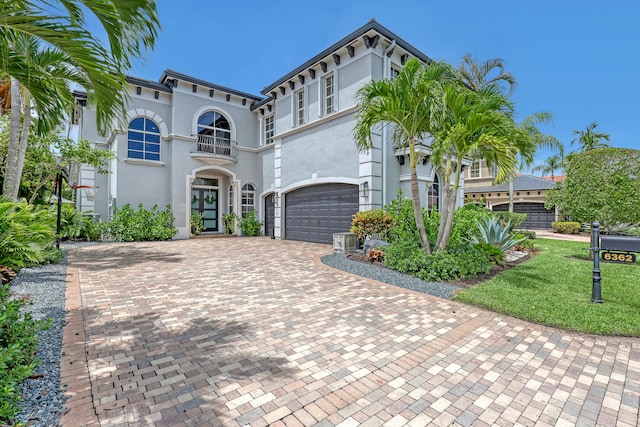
{"points": [[391, 277]]}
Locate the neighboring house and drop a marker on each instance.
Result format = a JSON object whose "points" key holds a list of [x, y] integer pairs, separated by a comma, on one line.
{"points": [[529, 194], [288, 154]]}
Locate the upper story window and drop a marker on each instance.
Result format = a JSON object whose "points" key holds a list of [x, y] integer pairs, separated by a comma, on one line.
{"points": [[248, 199], [299, 107], [474, 172], [329, 92], [393, 72], [214, 133], [143, 139], [269, 127]]}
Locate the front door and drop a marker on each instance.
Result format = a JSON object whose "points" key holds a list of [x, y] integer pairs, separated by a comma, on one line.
{"points": [[204, 201]]}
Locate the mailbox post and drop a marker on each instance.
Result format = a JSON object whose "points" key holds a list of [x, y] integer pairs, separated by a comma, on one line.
{"points": [[596, 291]]}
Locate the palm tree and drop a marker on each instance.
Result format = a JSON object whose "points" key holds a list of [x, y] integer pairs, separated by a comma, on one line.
{"points": [[471, 124], [407, 103], [476, 75], [550, 166], [589, 139], [130, 26]]}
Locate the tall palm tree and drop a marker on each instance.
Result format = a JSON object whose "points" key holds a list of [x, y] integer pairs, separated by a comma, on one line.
{"points": [[52, 73], [406, 102], [471, 124], [550, 166], [590, 139], [130, 26], [475, 74]]}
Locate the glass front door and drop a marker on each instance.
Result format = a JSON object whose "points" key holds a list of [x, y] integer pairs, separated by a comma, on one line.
{"points": [[204, 201]]}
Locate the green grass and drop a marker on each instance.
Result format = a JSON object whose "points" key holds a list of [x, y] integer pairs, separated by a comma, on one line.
{"points": [[554, 288]]}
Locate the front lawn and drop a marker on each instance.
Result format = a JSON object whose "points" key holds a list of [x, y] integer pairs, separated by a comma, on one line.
{"points": [[554, 288]]}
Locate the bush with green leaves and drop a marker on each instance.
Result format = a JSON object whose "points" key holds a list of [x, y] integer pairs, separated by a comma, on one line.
{"points": [[374, 223], [129, 225], [229, 221], [27, 234], [461, 262], [497, 234], [565, 227], [18, 346], [250, 225], [197, 223], [601, 185], [515, 219]]}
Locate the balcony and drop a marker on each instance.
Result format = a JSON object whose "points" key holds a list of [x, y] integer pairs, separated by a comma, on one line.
{"points": [[215, 150]]}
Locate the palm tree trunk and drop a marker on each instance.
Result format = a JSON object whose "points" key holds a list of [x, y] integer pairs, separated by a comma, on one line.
{"points": [[24, 138], [11, 182], [415, 196], [446, 223]]}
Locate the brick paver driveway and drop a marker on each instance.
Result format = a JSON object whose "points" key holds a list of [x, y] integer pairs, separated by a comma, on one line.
{"points": [[253, 331]]}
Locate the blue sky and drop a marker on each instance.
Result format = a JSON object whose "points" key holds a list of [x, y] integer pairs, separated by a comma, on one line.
{"points": [[579, 60]]}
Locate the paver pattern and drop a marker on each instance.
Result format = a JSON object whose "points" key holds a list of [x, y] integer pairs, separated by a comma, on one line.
{"points": [[254, 331]]}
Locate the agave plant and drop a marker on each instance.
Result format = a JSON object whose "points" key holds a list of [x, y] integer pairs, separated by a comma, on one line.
{"points": [[493, 232]]}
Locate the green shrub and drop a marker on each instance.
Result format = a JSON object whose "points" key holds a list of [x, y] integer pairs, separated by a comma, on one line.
{"points": [[565, 227], [461, 262], [92, 229], [465, 224], [371, 223], [529, 234], [142, 225], [197, 223], [250, 225], [493, 232], [404, 224], [516, 219], [18, 346], [229, 220], [26, 232]]}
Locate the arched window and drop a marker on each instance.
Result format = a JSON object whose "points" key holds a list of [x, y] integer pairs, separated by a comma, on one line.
{"points": [[143, 139], [214, 133], [433, 195], [248, 199]]}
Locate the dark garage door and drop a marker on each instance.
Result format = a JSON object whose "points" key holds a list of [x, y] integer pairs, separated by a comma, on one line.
{"points": [[313, 214], [269, 215], [538, 218]]}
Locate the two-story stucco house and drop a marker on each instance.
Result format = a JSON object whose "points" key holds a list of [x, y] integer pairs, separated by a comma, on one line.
{"points": [[289, 153]]}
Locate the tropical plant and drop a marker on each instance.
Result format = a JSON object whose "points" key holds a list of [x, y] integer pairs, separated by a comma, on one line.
{"points": [[229, 220], [250, 225], [405, 102], [477, 75], [25, 233], [197, 223], [471, 124], [497, 234], [366, 224], [590, 139], [550, 166], [45, 46]]}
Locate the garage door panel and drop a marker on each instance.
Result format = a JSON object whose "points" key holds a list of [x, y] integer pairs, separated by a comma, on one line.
{"points": [[314, 213], [538, 218]]}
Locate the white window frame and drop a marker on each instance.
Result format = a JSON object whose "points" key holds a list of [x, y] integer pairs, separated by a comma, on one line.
{"points": [[248, 199], [299, 101], [329, 99], [269, 129], [474, 170], [394, 71]]}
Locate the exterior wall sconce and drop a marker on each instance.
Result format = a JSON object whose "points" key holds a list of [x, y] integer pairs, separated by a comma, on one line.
{"points": [[364, 189], [400, 160], [276, 200]]}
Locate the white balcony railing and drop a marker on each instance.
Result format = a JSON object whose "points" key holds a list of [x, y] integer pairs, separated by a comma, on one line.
{"points": [[217, 145]]}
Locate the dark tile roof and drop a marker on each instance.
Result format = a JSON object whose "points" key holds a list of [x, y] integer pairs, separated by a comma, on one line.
{"points": [[148, 83], [168, 73], [520, 183]]}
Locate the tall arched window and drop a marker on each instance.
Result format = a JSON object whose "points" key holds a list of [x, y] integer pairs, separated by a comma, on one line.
{"points": [[248, 199], [143, 139], [433, 195], [214, 133]]}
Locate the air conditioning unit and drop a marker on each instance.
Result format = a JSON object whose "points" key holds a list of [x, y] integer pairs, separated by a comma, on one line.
{"points": [[345, 243]]}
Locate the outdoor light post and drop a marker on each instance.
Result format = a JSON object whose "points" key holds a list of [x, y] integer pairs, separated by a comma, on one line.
{"points": [[596, 292]]}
